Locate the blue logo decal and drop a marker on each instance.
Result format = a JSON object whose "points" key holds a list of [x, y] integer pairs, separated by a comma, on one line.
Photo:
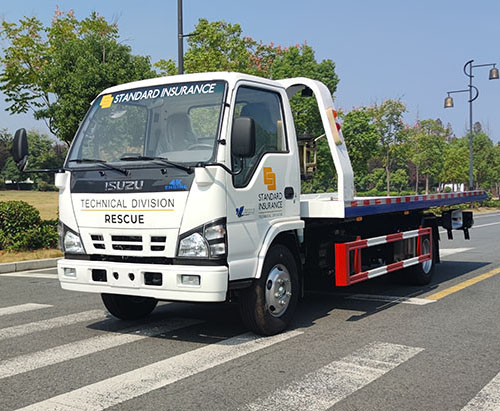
{"points": [[175, 185], [239, 211]]}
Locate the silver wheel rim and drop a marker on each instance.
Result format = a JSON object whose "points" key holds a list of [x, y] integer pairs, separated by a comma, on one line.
{"points": [[278, 290], [426, 248]]}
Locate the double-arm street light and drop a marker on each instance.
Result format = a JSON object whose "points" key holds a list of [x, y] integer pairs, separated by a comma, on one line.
{"points": [[448, 103]]}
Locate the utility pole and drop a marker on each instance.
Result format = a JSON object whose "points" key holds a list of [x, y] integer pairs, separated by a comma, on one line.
{"points": [[180, 37]]}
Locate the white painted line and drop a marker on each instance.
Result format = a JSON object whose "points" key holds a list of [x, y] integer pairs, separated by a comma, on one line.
{"points": [[488, 399], [390, 299], [486, 215], [43, 325], [132, 384], [445, 252], [51, 356], [15, 309], [485, 225], [30, 275], [473, 227], [321, 389]]}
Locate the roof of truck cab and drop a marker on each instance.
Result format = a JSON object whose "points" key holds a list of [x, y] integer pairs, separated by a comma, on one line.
{"points": [[230, 77]]}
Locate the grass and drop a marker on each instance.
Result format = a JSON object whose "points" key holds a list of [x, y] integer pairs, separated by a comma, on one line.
{"points": [[45, 201], [8, 257]]}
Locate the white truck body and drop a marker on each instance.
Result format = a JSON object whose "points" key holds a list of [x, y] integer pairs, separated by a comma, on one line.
{"points": [[131, 222]]}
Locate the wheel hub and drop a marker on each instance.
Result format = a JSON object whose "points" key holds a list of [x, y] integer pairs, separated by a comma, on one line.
{"points": [[278, 290]]}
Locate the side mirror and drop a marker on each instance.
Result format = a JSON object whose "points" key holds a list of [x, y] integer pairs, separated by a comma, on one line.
{"points": [[20, 149], [243, 137]]}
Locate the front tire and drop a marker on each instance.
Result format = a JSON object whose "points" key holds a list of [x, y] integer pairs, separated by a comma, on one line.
{"points": [[268, 305], [127, 307], [421, 274]]}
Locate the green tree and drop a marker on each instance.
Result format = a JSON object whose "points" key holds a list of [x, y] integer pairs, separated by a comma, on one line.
{"points": [[5, 144], [56, 71], [221, 46], [388, 118], [496, 170], [427, 147], [455, 163], [361, 138], [483, 160]]}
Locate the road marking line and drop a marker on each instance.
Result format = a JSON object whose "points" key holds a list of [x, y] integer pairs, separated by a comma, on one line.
{"points": [[485, 225], [24, 329], [30, 275], [488, 399], [445, 252], [132, 384], [15, 309], [56, 355], [486, 215], [462, 285], [473, 227], [323, 388], [390, 299]]}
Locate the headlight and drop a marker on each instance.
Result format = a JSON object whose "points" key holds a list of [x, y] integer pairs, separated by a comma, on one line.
{"points": [[72, 243], [208, 240], [193, 246]]}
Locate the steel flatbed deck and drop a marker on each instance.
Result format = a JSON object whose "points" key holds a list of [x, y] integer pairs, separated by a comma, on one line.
{"points": [[327, 205]]}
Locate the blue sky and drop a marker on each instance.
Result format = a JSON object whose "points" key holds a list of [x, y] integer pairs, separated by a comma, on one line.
{"points": [[412, 50]]}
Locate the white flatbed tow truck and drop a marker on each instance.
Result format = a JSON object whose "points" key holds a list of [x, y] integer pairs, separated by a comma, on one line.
{"points": [[188, 188]]}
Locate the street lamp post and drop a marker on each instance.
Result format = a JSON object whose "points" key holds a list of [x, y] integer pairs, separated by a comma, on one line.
{"points": [[448, 103]]}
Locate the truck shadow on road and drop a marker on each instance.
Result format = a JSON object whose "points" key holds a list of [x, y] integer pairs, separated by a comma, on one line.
{"points": [[207, 323], [358, 296]]}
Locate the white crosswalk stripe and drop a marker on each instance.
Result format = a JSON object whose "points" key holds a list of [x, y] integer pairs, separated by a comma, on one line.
{"points": [[488, 399], [321, 389], [33, 361], [22, 308], [25, 329], [31, 275], [445, 252], [116, 390]]}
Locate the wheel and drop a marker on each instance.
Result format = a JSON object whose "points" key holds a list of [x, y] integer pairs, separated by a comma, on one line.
{"points": [[127, 307], [421, 274], [268, 305]]}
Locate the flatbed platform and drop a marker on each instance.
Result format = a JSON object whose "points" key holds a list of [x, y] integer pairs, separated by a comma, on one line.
{"points": [[327, 205]]}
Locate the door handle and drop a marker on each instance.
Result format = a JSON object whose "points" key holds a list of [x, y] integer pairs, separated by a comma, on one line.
{"points": [[289, 193]]}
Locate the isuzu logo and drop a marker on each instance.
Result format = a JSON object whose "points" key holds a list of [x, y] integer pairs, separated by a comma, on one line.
{"points": [[134, 185]]}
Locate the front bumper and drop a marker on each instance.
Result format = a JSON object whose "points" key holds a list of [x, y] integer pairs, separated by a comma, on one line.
{"points": [[130, 279]]}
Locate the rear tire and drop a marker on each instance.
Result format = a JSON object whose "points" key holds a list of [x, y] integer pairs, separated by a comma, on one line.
{"points": [[268, 305], [127, 307], [421, 274]]}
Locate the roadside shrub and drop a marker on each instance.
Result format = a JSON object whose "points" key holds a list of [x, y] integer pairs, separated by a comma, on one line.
{"points": [[44, 186], [17, 217], [22, 229]]}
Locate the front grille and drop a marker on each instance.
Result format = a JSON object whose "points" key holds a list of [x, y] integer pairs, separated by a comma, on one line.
{"points": [[127, 247], [158, 243], [133, 243]]}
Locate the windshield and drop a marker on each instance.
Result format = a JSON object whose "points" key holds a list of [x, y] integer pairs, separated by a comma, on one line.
{"points": [[177, 122]]}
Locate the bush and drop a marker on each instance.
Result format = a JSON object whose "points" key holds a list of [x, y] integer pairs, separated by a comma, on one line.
{"points": [[22, 229], [44, 186], [17, 217]]}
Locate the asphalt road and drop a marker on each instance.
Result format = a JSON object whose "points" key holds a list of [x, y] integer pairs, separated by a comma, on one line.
{"points": [[378, 345]]}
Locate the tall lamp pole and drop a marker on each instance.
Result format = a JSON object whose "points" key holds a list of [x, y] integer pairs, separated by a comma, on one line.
{"points": [[448, 103], [180, 38]]}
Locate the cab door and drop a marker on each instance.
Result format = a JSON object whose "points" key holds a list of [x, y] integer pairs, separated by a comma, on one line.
{"points": [[267, 190]]}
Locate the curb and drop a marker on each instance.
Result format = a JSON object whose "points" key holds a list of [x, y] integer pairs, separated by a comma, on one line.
{"points": [[28, 265]]}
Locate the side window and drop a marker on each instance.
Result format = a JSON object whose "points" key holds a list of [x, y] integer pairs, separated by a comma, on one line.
{"points": [[265, 108]]}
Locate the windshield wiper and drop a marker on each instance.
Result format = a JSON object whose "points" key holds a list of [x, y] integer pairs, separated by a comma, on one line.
{"points": [[102, 162], [164, 160]]}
